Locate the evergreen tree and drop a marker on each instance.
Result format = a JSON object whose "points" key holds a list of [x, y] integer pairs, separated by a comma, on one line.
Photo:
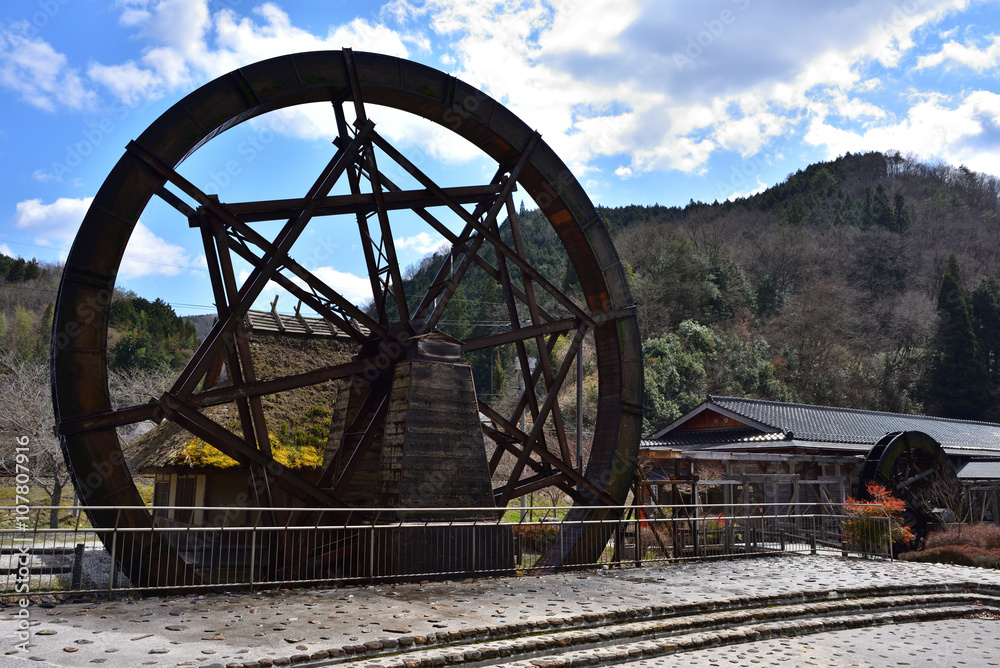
{"points": [[901, 219], [880, 212], [958, 384], [986, 312]]}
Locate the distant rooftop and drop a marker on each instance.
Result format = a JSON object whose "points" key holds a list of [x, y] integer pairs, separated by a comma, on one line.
{"points": [[823, 425], [272, 321]]}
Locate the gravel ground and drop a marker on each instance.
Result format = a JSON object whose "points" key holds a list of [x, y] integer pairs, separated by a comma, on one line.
{"points": [[215, 629]]}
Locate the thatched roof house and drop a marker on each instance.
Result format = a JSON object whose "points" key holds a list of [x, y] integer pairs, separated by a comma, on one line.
{"points": [[189, 472]]}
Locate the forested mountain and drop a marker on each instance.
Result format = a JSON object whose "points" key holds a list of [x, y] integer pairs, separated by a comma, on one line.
{"points": [[827, 288], [852, 283]]}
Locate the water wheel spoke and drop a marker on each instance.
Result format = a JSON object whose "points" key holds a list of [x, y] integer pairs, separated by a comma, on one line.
{"points": [[116, 418], [531, 382], [281, 384], [470, 219], [508, 444], [517, 444], [543, 480], [242, 357], [521, 334], [375, 425], [543, 414], [362, 419], [463, 246], [223, 287], [483, 197], [536, 319], [173, 200], [360, 203], [515, 320], [482, 227], [394, 280]]}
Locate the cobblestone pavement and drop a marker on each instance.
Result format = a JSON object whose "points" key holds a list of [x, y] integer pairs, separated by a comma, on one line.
{"points": [[967, 643], [250, 628]]}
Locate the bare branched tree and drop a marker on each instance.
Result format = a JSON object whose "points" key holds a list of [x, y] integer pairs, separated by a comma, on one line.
{"points": [[26, 411]]}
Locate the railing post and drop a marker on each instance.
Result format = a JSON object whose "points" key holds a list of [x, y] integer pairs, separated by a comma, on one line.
{"points": [[114, 555], [812, 542], [371, 554], [696, 543], [76, 580], [638, 542]]}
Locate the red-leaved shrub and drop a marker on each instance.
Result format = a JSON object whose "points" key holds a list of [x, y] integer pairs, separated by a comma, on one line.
{"points": [[871, 524]]}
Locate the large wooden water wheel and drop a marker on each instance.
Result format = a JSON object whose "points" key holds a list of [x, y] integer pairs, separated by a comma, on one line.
{"points": [[396, 331]]}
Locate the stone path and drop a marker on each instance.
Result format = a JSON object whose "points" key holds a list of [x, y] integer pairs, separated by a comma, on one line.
{"points": [[969, 643], [370, 625]]}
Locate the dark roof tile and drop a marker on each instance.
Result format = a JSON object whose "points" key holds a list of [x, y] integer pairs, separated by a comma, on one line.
{"points": [[846, 425]]}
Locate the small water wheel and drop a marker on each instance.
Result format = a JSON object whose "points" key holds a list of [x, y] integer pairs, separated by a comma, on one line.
{"points": [[914, 467]]}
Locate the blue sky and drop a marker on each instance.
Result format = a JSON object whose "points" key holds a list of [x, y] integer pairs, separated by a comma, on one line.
{"points": [[647, 101]]}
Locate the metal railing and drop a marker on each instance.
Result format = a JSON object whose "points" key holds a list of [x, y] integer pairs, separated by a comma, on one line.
{"points": [[296, 546]]}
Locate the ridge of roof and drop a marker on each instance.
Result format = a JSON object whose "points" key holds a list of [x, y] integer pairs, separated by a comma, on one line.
{"points": [[841, 409]]}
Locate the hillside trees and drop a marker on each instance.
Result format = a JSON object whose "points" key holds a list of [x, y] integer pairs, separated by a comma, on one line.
{"points": [[149, 335], [957, 383]]}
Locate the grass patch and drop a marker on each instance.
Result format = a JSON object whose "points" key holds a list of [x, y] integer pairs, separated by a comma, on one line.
{"points": [[38, 497]]}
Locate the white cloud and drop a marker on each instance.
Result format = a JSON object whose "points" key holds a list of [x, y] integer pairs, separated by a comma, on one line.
{"points": [[356, 289], [37, 73], [44, 176], [128, 82], [179, 54], [52, 224], [422, 243], [935, 126], [5, 249], [56, 224], [150, 255], [623, 171], [597, 79], [955, 54], [602, 21]]}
